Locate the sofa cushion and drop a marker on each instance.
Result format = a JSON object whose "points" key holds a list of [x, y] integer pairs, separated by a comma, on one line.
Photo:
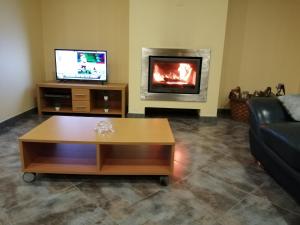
{"points": [[292, 105], [284, 139]]}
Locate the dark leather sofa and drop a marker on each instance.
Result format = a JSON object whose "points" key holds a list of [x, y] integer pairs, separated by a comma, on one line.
{"points": [[275, 142]]}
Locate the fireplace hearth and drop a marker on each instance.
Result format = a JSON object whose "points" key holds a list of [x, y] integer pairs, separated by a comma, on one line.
{"points": [[174, 74]]}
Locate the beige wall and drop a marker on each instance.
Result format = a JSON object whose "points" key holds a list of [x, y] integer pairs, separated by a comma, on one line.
{"points": [[261, 44], [261, 47], [20, 55], [191, 24], [93, 24]]}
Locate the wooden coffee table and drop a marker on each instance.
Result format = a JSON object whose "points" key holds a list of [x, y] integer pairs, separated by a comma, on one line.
{"points": [[70, 145]]}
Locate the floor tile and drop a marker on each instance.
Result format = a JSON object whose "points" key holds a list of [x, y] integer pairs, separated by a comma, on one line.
{"points": [[176, 205], [215, 194], [258, 211], [14, 191], [274, 193], [112, 194], [70, 207], [246, 177], [4, 220]]}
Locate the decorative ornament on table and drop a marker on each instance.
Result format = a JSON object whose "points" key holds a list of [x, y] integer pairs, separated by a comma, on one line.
{"points": [[104, 127], [280, 89], [57, 107], [266, 93], [106, 103]]}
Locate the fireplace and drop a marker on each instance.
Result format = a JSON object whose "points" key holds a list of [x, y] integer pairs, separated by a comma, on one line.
{"points": [[174, 74]]}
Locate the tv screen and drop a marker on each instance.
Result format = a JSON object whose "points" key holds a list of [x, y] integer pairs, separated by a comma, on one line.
{"points": [[81, 64]]}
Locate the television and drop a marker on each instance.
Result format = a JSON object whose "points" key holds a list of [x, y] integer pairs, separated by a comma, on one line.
{"points": [[81, 65]]}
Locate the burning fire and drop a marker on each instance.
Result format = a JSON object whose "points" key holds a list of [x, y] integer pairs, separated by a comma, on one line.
{"points": [[184, 74]]}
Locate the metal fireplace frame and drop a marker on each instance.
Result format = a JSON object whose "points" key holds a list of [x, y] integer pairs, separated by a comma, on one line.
{"points": [[201, 97]]}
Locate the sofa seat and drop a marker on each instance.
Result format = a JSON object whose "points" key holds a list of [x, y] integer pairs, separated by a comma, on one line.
{"points": [[283, 138]]}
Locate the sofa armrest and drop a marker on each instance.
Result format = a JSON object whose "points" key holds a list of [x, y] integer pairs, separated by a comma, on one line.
{"points": [[265, 110]]}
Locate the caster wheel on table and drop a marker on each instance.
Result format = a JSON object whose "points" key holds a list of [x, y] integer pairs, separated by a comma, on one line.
{"points": [[29, 177], [164, 180]]}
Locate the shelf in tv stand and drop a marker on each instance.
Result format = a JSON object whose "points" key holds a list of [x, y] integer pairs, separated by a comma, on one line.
{"points": [[54, 110]]}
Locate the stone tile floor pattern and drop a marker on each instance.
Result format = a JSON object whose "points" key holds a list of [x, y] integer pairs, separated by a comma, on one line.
{"points": [[216, 182]]}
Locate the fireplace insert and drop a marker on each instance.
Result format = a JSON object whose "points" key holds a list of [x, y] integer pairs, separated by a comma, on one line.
{"points": [[174, 74]]}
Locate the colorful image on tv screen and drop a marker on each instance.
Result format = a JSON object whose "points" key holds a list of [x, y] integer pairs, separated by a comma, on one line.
{"points": [[81, 65]]}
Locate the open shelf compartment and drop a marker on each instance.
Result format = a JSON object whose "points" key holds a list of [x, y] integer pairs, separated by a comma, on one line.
{"points": [[59, 158], [114, 101], [51, 98], [135, 159]]}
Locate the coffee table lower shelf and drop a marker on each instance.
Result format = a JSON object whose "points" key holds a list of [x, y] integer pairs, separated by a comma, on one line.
{"points": [[97, 159]]}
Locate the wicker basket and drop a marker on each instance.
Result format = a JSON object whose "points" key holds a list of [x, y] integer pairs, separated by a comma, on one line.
{"points": [[239, 110]]}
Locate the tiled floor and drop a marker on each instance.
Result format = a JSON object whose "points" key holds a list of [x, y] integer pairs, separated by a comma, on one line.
{"points": [[215, 183]]}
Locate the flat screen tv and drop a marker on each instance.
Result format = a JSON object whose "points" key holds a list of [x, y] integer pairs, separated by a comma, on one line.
{"points": [[82, 65]]}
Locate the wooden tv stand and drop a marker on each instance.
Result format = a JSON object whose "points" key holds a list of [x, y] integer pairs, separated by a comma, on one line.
{"points": [[62, 97], [70, 145]]}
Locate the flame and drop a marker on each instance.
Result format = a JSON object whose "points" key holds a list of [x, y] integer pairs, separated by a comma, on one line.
{"points": [[185, 71], [183, 75], [156, 75]]}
